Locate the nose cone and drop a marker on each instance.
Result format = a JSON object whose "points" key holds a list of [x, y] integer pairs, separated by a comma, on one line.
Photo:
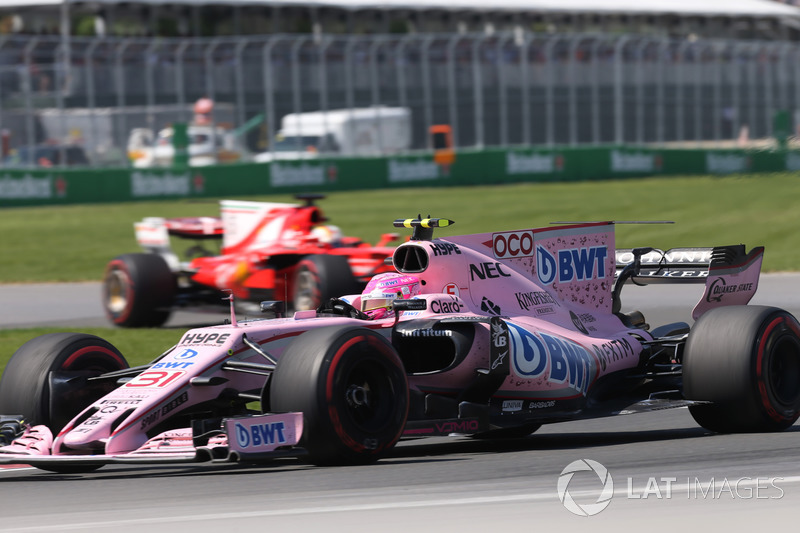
{"points": [[89, 438]]}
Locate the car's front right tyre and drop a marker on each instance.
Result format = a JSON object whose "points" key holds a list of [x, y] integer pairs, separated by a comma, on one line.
{"points": [[351, 387]]}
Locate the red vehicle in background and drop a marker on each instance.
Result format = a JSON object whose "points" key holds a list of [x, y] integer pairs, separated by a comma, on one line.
{"points": [[268, 251]]}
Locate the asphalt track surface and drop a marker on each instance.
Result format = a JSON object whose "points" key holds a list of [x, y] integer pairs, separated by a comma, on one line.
{"points": [[668, 474]]}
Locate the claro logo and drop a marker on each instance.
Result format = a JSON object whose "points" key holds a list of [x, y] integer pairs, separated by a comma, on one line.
{"points": [[512, 244]]}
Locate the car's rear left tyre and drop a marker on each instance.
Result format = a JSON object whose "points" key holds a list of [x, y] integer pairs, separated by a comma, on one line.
{"points": [[46, 378], [745, 360], [138, 290], [319, 278], [350, 385]]}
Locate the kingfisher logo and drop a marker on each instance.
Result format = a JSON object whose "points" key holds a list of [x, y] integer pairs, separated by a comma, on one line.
{"points": [[259, 434]]}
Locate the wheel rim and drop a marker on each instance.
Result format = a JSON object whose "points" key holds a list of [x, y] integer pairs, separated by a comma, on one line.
{"points": [[368, 396], [117, 291], [305, 287], [783, 372]]}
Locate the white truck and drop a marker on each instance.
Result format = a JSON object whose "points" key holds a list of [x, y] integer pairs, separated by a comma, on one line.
{"points": [[377, 130]]}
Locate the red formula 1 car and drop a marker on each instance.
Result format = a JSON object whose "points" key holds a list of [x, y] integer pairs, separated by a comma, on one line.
{"points": [[485, 334], [269, 251]]}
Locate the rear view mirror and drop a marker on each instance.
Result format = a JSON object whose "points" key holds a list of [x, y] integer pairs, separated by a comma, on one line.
{"points": [[409, 305]]}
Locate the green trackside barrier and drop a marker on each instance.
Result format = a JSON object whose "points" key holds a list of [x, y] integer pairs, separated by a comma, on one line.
{"points": [[470, 167]]}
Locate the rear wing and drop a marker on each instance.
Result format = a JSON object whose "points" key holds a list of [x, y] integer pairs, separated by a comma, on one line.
{"points": [[681, 265], [729, 273]]}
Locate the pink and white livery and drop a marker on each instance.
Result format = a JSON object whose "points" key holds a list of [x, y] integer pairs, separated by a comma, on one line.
{"points": [[492, 333]]}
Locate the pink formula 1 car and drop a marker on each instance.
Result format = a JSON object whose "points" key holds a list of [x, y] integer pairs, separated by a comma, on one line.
{"points": [[491, 334], [267, 251]]}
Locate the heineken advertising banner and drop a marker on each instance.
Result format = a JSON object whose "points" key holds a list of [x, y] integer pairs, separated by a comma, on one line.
{"points": [[470, 167]]}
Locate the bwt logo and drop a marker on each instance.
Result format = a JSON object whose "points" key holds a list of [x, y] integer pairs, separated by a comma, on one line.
{"points": [[560, 360], [576, 264], [260, 434], [512, 244], [186, 354]]}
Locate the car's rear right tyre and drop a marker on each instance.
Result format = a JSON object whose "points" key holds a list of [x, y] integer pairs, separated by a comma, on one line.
{"points": [[745, 361], [138, 290]]}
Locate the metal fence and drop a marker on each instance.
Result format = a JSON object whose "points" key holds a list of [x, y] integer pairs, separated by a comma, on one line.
{"points": [[501, 89]]}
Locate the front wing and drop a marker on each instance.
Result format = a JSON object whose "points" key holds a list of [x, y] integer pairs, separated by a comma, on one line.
{"points": [[252, 438]]}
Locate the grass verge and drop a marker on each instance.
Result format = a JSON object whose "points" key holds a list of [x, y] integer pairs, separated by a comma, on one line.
{"points": [[139, 346], [73, 243]]}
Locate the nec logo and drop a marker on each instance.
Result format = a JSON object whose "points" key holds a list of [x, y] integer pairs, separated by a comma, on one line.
{"points": [[512, 244], [487, 270], [576, 264]]}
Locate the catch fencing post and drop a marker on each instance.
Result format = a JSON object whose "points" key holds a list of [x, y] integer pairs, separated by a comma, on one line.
{"points": [[426, 88], [120, 86], [596, 90], [549, 99], [241, 115], [477, 90], [524, 43], [502, 83], [619, 99], [639, 59], [451, 87], [661, 104], [29, 115], [150, 86], [769, 87], [680, 77], [269, 96], [297, 105], [179, 80], [88, 60]]}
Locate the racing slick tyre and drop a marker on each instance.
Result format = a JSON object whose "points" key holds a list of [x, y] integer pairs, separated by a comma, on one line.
{"points": [[319, 278], [46, 381], [138, 290], [351, 387], [745, 360]]}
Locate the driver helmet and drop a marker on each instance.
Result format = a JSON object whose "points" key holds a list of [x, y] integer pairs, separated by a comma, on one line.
{"points": [[327, 234], [383, 289]]}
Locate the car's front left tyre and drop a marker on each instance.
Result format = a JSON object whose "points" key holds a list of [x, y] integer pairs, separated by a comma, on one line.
{"points": [[46, 378]]}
